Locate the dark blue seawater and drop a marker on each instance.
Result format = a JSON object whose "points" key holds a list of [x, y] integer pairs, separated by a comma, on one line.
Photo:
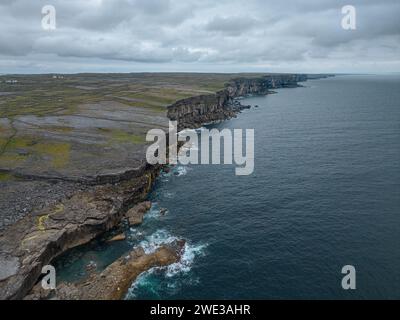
{"points": [[325, 193]]}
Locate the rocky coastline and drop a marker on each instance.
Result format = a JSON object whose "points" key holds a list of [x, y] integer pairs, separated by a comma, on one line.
{"points": [[113, 282], [34, 241], [196, 111]]}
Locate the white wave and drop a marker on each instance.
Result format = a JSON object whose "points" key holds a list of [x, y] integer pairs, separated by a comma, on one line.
{"points": [[143, 280], [154, 211], [152, 243], [177, 170], [180, 171], [184, 265], [163, 237], [135, 235]]}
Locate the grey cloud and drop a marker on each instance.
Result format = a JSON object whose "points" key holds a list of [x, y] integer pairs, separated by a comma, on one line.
{"points": [[176, 34], [232, 26]]}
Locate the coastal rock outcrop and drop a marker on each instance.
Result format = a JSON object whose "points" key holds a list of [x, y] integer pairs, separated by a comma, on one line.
{"points": [[114, 281], [136, 214], [118, 237], [37, 239], [194, 112]]}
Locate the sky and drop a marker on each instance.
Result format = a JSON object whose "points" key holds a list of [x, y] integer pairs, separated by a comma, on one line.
{"points": [[199, 36]]}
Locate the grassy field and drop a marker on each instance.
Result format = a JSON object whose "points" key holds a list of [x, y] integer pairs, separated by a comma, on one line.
{"points": [[82, 122], [44, 95]]}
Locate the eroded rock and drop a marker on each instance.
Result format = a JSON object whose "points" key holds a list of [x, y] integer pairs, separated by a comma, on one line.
{"points": [[194, 112], [36, 239], [136, 214], [8, 266], [114, 282], [118, 237]]}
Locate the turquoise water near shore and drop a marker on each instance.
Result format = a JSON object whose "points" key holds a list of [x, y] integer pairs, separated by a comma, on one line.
{"points": [[325, 193]]}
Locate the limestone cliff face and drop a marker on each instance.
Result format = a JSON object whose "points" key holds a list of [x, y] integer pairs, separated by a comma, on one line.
{"points": [[245, 86], [35, 240], [193, 112]]}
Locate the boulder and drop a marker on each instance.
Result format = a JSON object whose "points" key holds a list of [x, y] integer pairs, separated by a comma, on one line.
{"points": [[135, 215], [118, 237]]}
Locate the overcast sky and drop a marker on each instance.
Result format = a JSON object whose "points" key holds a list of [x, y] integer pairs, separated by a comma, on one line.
{"points": [[199, 35]]}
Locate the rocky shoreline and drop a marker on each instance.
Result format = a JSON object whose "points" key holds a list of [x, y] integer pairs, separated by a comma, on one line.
{"points": [[35, 240], [113, 282], [196, 111]]}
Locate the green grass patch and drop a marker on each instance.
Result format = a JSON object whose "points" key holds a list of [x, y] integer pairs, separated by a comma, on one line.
{"points": [[62, 129], [119, 136], [6, 177], [20, 142], [59, 152], [11, 160]]}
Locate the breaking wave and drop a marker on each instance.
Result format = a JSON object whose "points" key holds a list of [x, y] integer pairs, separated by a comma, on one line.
{"points": [[152, 242], [154, 211], [155, 281], [180, 171]]}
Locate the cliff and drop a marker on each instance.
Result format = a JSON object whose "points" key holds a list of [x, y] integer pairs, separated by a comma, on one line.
{"points": [[39, 237], [194, 112], [36, 240]]}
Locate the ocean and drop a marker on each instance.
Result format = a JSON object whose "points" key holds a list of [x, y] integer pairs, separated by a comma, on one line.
{"points": [[325, 193]]}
